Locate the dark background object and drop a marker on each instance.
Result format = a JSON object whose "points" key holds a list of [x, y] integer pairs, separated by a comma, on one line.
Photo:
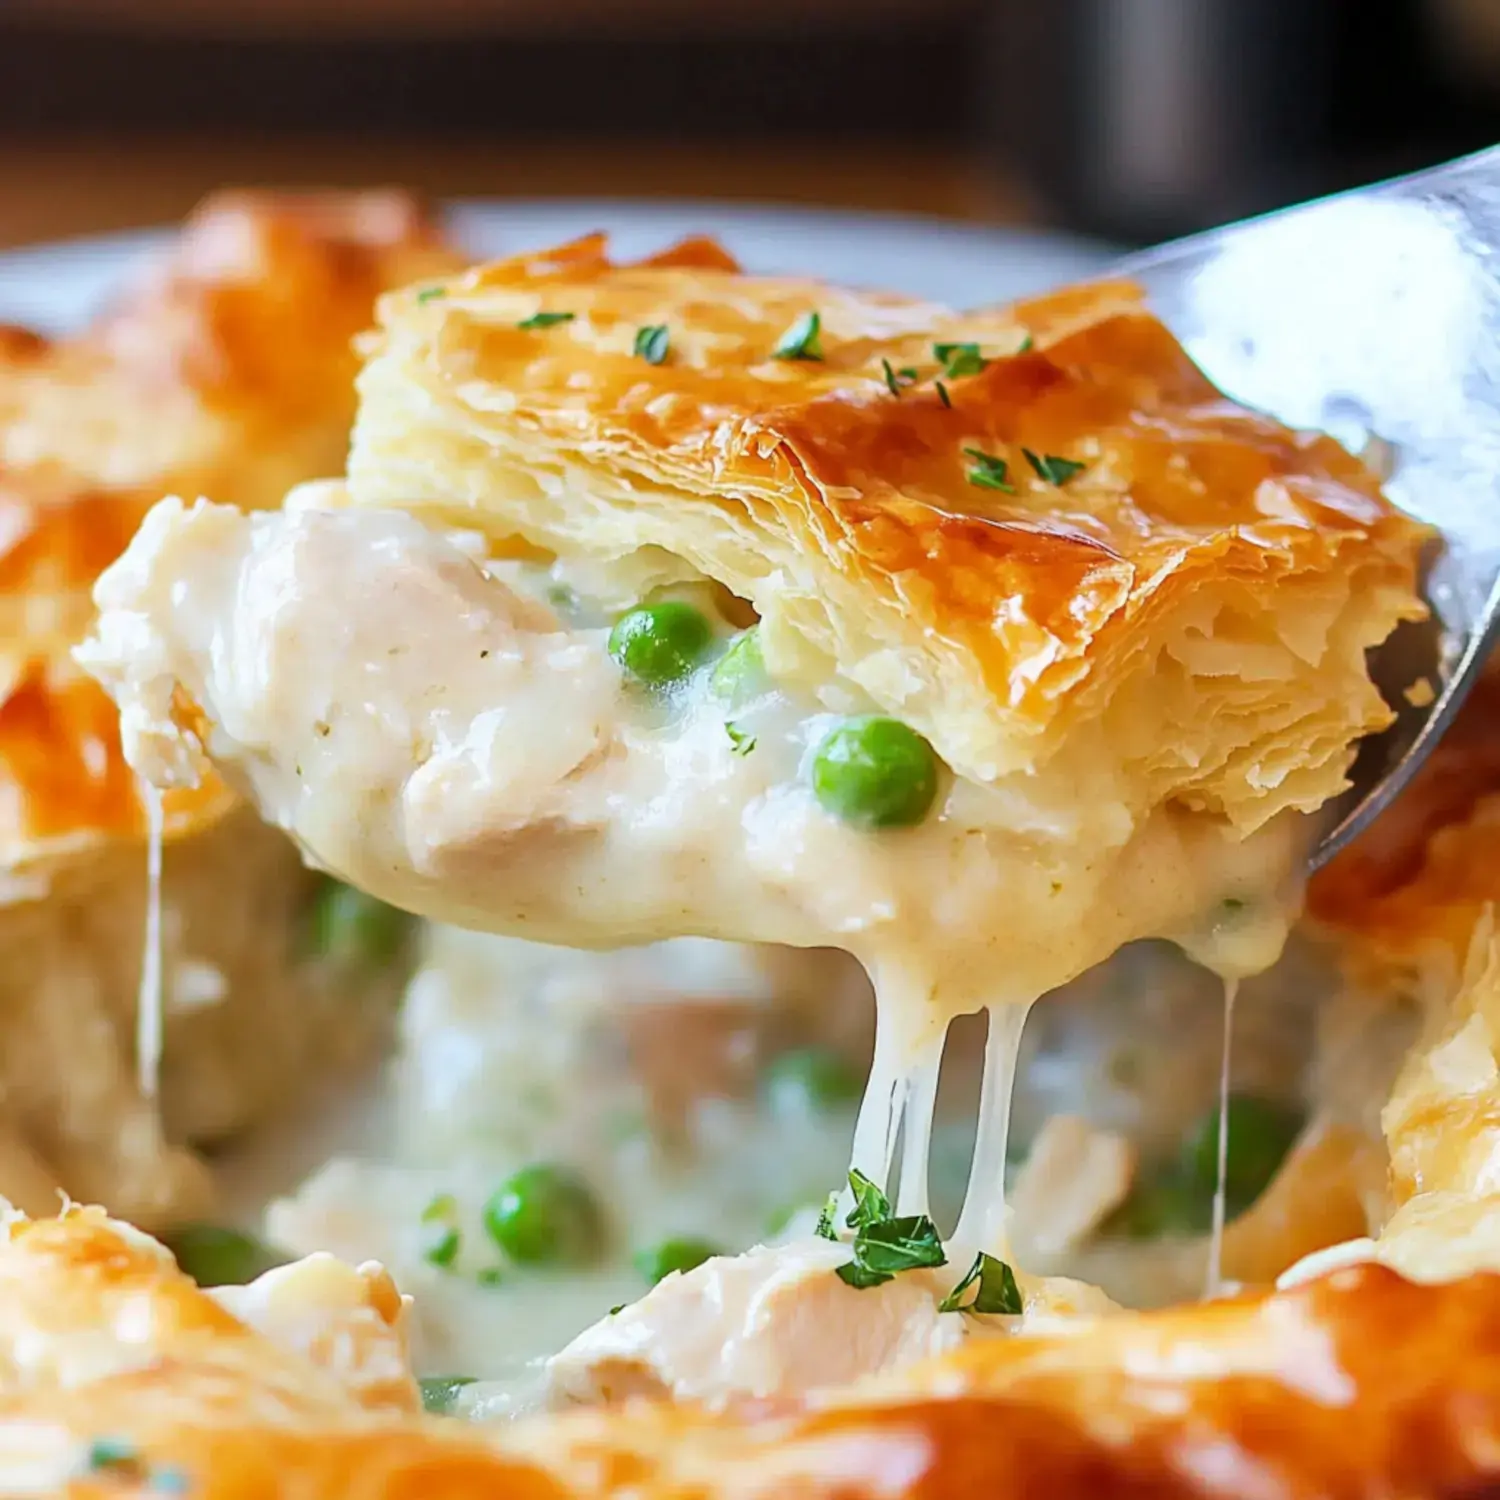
{"points": [[1136, 119]]}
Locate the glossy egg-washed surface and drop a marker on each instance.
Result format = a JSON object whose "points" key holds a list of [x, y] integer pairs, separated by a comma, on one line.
{"points": [[993, 617], [226, 371], [123, 1375]]}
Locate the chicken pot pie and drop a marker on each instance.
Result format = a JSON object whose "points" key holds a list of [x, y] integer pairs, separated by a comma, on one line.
{"points": [[660, 600], [227, 367]]}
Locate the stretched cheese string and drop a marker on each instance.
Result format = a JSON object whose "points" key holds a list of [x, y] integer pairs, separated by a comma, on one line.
{"points": [[148, 1020], [1215, 1282], [981, 1225], [916, 1138]]}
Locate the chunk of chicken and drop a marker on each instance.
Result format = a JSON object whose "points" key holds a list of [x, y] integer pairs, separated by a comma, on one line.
{"points": [[771, 1322]]}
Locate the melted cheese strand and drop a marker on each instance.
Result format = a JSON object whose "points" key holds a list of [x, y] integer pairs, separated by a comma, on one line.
{"points": [[884, 1102], [981, 1225], [148, 1017], [916, 1143], [1215, 1283]]}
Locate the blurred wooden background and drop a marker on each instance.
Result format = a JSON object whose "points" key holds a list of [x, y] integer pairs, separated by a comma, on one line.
{"points": [[123, 112]]}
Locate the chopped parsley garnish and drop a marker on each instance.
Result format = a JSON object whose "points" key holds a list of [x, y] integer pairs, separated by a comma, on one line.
{"points": [[619, 1307], [995, 1289], [870, 1204], [959, 359], [652, 343], [442, 1251], [1051, 468], [895, 379], [489, 1276], [942, 391], [431, 293], [112, 1453], [442, 1208], [895, 1245], [988, 472], [800, 341], [825, 1229], [439, 1392], [884, 1245], [743, 743], [546, 320], [1027, 345], [121, 1459]]}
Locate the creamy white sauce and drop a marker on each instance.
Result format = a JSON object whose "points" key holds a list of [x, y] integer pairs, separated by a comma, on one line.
{"points": [[458, 748]]}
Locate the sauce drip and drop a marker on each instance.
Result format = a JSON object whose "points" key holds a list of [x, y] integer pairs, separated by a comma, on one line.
{"points": [[1215, 1282], [148, 1017]]}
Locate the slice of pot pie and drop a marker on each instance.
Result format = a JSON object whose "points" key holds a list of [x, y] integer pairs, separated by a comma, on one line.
{"points": [[663, 599], [228, 365]]}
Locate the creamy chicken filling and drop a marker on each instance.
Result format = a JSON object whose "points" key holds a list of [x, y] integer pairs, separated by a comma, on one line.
{"points": [[477, 744]]}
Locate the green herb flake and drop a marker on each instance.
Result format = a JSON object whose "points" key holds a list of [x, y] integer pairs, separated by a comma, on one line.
{"points": [[743, 743], [439, 1392], [825, 1229], [995, 1289], [1049, 467], [1027, 345], [652, 343], [860, 1277], [107, 1454], [490, 1276], [801, 340], [870, 1204], [443, 1251], [943, 396], [431, 293], [909, 1243], [958, 360], [546, 320], [442, 1208], [988, 472], [896, 379]]}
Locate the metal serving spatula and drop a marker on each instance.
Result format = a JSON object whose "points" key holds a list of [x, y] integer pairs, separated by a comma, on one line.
{"points": [[1375, 315]]}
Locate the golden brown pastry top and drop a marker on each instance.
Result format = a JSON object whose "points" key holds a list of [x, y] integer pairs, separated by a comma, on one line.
{"points": [[123, 1377], [227, 369], [838, 495]]}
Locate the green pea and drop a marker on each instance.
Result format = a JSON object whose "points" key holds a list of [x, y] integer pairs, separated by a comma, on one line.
{"points": [[439, 1392], [875, 773], [351, 927], [680, 1254], [215, 1255], [810, 1080], [740, 671], [1261, 1132], [545, 1215], [661, 644]]}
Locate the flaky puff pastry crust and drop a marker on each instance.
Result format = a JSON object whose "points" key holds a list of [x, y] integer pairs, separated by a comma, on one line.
{"points": [[1406, 897], [227, 369], [1201, 591], [117, 1375]]}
